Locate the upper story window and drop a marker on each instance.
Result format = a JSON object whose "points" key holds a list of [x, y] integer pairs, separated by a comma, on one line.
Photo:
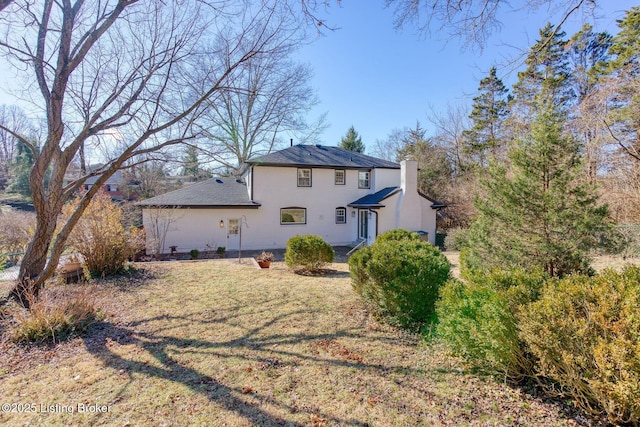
{"points": [[340, 176], [364, 179], [304, 177], [341, 215]]}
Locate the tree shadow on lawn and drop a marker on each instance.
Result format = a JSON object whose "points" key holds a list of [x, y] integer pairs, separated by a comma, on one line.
{"points": [[251, 346]]}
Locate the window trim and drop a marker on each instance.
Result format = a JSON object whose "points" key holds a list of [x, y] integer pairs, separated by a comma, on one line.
{"points": [[293, 208], [344, 210], [344, 177], [368, 172], [298, 177]]}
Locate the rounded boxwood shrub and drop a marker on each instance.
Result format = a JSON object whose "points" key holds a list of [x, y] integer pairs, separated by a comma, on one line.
{"points": [[400, 279], [358, 270], [585, 333], [479, 319], [397, 235], [308, 252]]}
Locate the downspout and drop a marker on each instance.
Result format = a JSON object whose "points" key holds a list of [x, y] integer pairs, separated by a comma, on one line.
{"points": [[251, 183]]}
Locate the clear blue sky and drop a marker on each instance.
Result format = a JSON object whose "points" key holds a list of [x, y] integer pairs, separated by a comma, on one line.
{"points": [[376, 78]]}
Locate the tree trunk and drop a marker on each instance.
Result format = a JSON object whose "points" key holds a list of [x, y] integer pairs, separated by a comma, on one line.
{"points": [[47, 202], [31, 278]]}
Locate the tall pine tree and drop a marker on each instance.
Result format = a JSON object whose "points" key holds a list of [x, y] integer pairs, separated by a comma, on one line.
{"points": [[538, 214], [587, 51], [624, 70], [488, 113], [547, 64], [352, 141], [434, 168]]}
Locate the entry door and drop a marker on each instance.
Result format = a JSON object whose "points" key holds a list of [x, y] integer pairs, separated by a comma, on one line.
{"points": [[233, 238], [363, 232]]}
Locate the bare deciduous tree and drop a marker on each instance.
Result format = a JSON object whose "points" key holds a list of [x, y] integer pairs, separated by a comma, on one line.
{"points": [[474, 21], [269, 98], [118, 74]]}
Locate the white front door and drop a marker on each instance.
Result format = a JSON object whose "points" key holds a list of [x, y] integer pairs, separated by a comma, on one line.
{"points": [[233, 238], [363, 225]]}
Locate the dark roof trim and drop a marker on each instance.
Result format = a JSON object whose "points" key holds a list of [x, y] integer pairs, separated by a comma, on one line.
{"points": [[253, 206], [434, 203], [372, 201]]}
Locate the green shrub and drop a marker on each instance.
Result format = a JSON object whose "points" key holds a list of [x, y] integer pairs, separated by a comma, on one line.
{"points": [[479, 320], [470, 264], [585, 332], [456, 239], [308, 253], [397, 235], [400, 279], [194, 253], [358, 269], [478, 323]]}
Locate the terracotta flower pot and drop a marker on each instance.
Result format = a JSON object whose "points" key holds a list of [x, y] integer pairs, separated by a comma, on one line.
{"points": [[71, 267], [264, 264]]}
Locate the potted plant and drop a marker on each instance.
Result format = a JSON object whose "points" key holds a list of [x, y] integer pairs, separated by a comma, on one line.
{"points": [[264, 259]]}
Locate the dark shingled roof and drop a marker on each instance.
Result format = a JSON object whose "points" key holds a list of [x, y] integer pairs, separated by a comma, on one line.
{"points": [[373, 200], [213, 193], [321, 156]]}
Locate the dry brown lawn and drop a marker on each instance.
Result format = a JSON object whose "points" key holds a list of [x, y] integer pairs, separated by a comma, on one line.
{"points": [[214, 343]]}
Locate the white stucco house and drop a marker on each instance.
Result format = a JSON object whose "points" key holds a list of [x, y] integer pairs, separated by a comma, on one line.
{"points": [[342, 196]]}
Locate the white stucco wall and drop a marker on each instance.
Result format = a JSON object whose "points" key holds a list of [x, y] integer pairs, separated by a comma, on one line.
{"points": [[275, 188], [196, 228]]}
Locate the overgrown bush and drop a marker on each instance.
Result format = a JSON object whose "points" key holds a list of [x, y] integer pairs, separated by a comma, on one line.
{"points": [[585, 333], [308, 252], [16, 231], [397, 235], [455, 239], [358, 271], [479, 319], [478, 323], [100, 237], [400, 279], [54, 316]]}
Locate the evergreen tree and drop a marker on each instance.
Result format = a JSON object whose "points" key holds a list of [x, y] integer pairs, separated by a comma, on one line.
{"points": [[539, 214], [352, 141], [587, 51], [191, 163], [20, 170], [488, 113], [625, 72], [434, 168], [548, 67]]}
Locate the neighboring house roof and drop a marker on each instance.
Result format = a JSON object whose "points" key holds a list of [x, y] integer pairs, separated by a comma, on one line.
{"points": [[373, 200], [321, 156], [116, 178], [212, 193]]}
